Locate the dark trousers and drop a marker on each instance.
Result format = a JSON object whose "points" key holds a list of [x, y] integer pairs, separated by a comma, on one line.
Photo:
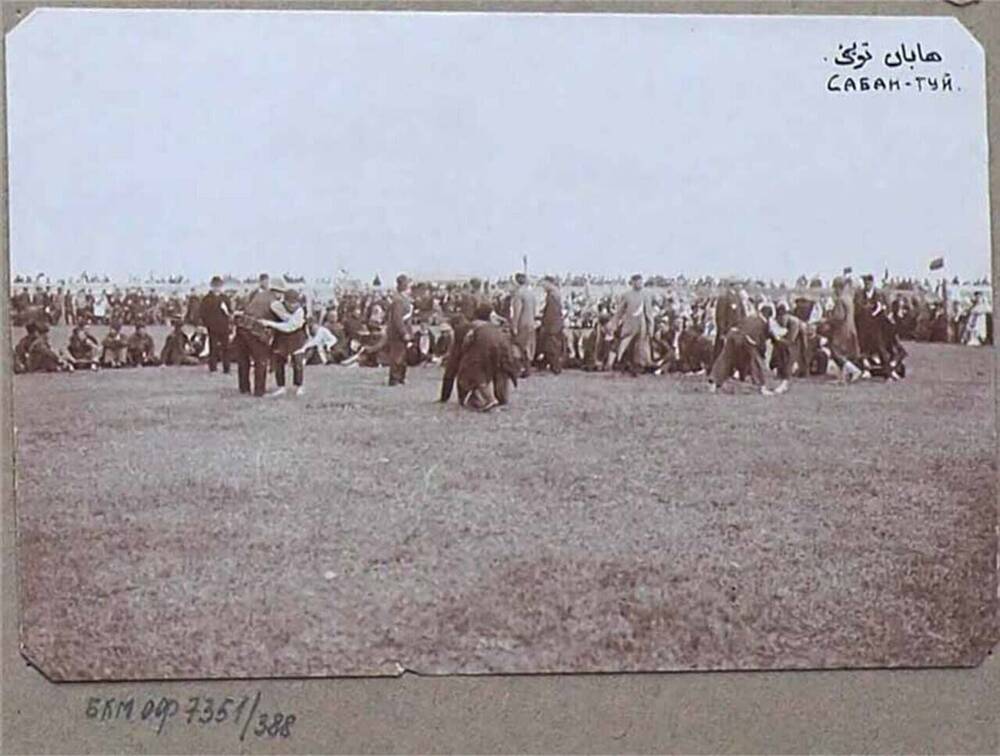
{"points": [[782, 359], [551, 347], [251, 349], [720, 342], [298, 363], [397, 372], [218, 350], [738, 354]]}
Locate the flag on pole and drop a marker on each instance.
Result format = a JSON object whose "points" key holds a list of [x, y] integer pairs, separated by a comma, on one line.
{"points": [[937, 263], [524, 260], [848, 270]]}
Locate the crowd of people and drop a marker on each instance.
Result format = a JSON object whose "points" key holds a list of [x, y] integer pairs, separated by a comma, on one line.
{"points": [[490, 334]]}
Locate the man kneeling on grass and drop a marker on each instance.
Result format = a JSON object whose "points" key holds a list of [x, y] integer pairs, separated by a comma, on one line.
{"points": [[744, 348]]}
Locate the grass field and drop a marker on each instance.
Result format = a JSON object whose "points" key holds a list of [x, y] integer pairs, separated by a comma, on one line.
{"points": [[169, 527]]}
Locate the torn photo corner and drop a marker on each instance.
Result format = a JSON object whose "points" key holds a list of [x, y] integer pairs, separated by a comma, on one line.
{"points": [[348, 343]]}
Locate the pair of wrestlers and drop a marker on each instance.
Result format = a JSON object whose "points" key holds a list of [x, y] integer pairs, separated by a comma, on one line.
{"points": [[270, 331]]}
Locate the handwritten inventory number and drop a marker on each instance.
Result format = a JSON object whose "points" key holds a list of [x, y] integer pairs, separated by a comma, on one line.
{"points": [[199, 711]]}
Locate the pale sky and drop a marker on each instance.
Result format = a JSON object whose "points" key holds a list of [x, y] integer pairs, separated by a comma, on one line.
{"points": [[199, 142]]}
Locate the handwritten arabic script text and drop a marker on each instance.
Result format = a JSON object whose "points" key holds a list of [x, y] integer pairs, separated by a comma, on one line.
{"points": [[908, 67]]}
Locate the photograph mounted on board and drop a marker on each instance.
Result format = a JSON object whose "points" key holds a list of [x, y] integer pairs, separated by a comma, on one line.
{"points": [[350, 343]]}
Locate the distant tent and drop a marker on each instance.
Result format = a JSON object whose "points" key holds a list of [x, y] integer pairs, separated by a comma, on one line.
{"points": [[937, 263]]}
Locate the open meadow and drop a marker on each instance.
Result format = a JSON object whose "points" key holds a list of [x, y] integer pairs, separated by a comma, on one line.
{"points": [[170, 527]]}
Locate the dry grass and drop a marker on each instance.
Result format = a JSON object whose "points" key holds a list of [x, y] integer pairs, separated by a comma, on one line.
{"points": [[172, 528]]}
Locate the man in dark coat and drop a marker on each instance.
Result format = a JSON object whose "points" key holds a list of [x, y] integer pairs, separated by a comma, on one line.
{"points": [[192, 309], [487, 366], [460, 327], [253, 341], [550, 332], [870, 311], [215, 311], [398, 333], [473, 298], [728, 314]]}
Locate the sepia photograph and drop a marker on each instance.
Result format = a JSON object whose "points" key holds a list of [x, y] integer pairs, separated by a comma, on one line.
{"points": [[352, 343]]}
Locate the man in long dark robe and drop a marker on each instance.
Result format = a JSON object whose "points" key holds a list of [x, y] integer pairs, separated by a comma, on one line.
{"points": [[870, 311], [550, 332]]}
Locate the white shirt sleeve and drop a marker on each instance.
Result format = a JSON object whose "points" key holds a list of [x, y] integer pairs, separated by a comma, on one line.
{"points": [[289, 321]]}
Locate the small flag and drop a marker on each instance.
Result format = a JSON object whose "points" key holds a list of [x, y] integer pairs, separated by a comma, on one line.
{"points": [[524, 259], [937, 263], [848, 270]]}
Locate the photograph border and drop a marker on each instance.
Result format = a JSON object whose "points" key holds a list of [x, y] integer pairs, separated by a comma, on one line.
{"points": [[947, 710]]}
